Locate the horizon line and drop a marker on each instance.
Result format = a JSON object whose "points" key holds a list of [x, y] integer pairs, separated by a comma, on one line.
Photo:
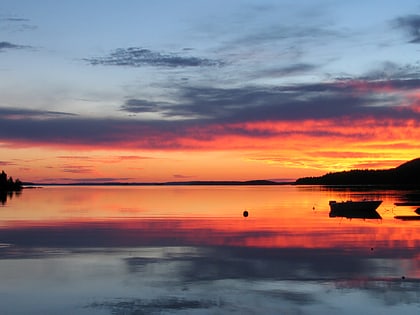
{"points": [[167, 183]]}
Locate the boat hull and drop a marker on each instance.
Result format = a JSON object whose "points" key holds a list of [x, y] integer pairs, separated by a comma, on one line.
{"points": [[370, 205], [355, 209]]}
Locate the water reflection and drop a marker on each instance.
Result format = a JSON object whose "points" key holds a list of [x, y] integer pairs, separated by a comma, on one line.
{"points": [[219, 279], [355, 214], [408, 217], [4, 195], [156, 250], [409, 201]]}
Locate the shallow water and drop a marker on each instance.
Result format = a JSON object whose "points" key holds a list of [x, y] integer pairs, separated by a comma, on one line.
{"points": [[190, 250]]}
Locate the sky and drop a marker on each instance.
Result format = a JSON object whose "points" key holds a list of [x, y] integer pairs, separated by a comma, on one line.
{"points": [[152, 91]]}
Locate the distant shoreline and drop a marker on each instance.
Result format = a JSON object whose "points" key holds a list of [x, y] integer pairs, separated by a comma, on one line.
{"points": [[222, 183], [404, 175], [182, 183]]}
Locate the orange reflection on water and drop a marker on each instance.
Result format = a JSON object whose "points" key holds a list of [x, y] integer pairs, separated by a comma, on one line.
{"points": [[279, 216]]}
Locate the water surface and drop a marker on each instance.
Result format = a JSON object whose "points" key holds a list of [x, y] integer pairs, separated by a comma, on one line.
{"points": [[190, 250]]}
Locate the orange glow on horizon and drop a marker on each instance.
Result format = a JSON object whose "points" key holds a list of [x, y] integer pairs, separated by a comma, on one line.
{"points": [[285, 149]]}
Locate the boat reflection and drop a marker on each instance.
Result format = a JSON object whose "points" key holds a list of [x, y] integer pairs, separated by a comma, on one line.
{"points": [[408, 217], [354, 214], [411, 217]]}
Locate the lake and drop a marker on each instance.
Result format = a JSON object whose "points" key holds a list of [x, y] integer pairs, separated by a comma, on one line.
{"points": [[189, 250]]}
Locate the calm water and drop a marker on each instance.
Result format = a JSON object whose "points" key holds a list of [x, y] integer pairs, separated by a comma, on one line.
{"points": [[189, 250]]}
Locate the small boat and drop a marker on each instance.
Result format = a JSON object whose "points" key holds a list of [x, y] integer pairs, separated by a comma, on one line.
{"points": [[365, 209], [363, 205]]}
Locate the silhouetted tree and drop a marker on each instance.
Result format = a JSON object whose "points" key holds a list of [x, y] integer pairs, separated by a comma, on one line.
{"points": [[8, 184]]}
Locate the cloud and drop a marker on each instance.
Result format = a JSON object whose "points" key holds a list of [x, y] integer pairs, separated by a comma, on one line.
{"points": [[205, 117], [75, 157], [140, 57], [107, 159], [293, 38], [16, 24], [411, 24], [6, 163], [77, 169], [293, 69], [24, 113], [348, 98], [133, 157], [389, 70], [7, 45], [89, 179], [140, 106]]}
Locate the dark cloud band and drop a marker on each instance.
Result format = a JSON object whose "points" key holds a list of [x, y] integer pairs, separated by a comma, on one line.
{"points": [[140, 57], [204, 114]]}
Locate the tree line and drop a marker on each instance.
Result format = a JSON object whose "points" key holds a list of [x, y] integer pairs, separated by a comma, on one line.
{"points": [[406, 174], [8, 184]]}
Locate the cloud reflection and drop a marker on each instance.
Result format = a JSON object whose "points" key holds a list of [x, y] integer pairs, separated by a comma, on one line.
{"points": [[301, 264], [286, 279], [155, 306]]}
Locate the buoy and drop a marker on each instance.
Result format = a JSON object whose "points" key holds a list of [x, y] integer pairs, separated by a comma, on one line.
{"points": [[245, 213]]}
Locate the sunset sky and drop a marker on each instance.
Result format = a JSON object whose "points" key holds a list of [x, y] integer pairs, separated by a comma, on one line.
{"points": [[181, 90]]}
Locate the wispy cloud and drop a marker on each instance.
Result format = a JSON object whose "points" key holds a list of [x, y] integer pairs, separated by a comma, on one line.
{"points": [[16, 24], [289, 70], [140, 57], [104, 159], [411, 24], [21, 113], [88, 179], [8, 46], [292, 32], [6, 163], [142, 106], [77, 169]]}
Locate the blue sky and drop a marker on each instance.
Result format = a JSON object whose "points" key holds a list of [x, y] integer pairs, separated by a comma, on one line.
{"points": [[176, 65], [245, 43]]}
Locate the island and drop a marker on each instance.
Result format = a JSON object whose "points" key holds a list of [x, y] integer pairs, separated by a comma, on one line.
{"points": [[8, 184], [406, 174]]}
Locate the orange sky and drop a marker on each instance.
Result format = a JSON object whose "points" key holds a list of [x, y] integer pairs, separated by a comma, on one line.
{"points": [[363, 143], [226, 158]]}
